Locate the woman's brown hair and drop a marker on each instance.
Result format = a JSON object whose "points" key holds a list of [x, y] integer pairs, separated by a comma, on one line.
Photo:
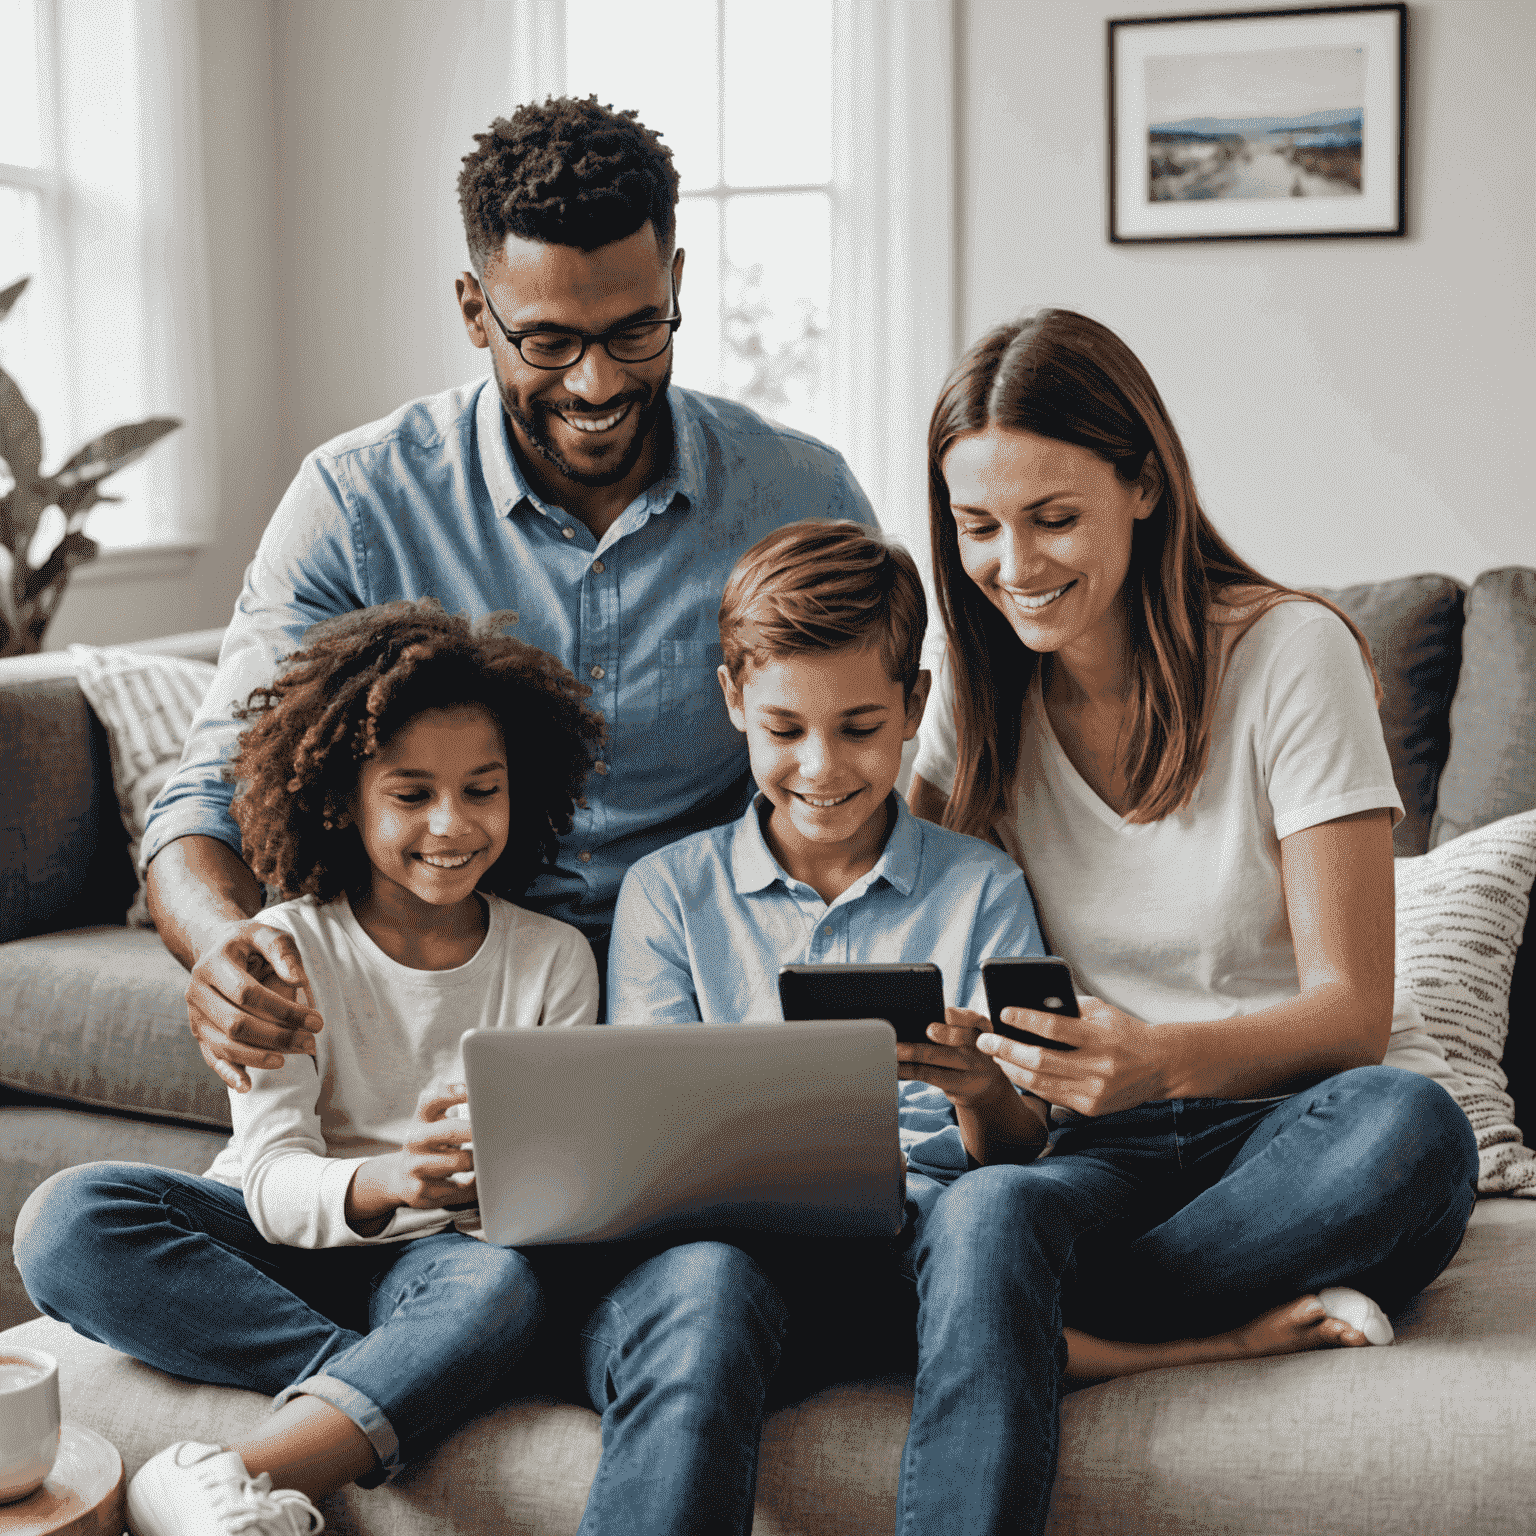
{"points": [[1060, 375]]}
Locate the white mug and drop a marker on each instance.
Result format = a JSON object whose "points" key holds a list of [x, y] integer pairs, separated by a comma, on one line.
{"points": [[29, 1420]]}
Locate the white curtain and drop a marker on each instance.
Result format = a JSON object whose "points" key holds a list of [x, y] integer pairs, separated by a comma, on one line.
{"points": [[137, 312], [893, 259]]}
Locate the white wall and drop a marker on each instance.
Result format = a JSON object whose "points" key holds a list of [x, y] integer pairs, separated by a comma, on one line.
{"points": [[1354, 409], [377, 104]]}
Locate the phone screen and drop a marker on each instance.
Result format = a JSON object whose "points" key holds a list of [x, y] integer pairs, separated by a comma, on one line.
{"points": [[1042, 982]]}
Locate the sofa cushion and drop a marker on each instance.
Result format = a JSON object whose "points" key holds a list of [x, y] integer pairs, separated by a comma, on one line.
{"points": [[1414, 629], [1461, 910], [63, 861], [147, 704], [1491, 770], [99, 1016], [1333, 1443]]}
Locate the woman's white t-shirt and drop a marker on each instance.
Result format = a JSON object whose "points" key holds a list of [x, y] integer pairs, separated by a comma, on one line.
{"points": [[1184, 919], [389, 1031]]}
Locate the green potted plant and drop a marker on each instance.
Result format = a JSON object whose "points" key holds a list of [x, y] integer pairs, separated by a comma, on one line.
{"points": [[29, 594]]}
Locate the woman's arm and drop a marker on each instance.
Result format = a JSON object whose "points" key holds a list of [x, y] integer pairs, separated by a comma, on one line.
{"points": [[1339, 901]]}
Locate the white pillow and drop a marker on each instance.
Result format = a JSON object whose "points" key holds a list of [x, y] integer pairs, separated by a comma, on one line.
{"points": [[1461, 911], [146, 704]]}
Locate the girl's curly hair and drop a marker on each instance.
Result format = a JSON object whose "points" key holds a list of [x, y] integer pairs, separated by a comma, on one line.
{"points": [[357, 681]]}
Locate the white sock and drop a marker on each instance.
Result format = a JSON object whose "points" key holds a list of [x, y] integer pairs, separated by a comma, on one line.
{"points": [[1358, 1310]]}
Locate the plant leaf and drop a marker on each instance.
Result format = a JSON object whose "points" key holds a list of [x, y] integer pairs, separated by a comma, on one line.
{"points": [[9, 295], [72, 550], [110, 452], [21, 446]]}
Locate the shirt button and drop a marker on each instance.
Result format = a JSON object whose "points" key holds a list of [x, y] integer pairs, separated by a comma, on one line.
{"points": [[569, 532], [584, 856], [599, 767], [599, 567], [827, 931], [597, 671]]}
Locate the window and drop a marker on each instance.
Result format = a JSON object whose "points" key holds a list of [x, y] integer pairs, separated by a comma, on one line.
{"points": [[101, 206], [741, 92], [30, 212], [814, 139]]}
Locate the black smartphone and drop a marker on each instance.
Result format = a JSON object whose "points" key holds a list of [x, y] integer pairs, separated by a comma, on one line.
{"points": [[910, 996], [1042, 982]]}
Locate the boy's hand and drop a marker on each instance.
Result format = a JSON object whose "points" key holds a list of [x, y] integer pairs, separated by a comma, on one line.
{"points": [[952, 1062], [432, 1171]]}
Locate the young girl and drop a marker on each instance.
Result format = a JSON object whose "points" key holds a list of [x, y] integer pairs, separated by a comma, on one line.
{"points": [[403, 779]]}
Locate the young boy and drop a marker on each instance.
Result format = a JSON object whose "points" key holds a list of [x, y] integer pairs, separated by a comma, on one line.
{"points": [[821, 627]]}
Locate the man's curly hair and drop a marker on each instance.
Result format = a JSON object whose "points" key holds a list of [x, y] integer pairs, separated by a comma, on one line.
{"points": [[568, 172], [356, 682]]}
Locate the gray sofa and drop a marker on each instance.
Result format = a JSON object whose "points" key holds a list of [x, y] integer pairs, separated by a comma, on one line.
{"points": [[1433, 1436]]}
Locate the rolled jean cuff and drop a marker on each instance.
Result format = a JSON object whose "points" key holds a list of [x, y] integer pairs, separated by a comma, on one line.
{"points": [[363, 1412]]}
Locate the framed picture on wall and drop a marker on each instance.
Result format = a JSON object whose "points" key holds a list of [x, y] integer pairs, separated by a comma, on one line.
{"points": [[1257, 125]]}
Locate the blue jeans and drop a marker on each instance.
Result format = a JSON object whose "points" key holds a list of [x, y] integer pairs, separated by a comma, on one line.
{"points": [[1174, 1219], [675, 1345]]}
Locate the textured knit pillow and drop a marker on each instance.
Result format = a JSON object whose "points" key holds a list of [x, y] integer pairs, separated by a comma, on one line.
{"points": [[146, 704], [1461, 911]]}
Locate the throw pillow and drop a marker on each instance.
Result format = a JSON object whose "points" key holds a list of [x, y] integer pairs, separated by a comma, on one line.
{"points": [[1461, 912], [146, 704]]}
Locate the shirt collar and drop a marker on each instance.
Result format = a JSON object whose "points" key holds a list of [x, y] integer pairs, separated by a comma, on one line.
{"points": [[682, 483], [754, 868]]}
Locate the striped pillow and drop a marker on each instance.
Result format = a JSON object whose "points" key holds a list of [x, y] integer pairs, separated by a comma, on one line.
{"points": [[146, 704], [1461, 911]]}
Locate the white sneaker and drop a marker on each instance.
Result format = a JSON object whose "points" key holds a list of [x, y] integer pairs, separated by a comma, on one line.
{"points": [[202, 1490]]}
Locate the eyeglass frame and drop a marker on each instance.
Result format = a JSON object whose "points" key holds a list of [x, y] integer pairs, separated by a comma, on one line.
{"points": [[587, 338]]}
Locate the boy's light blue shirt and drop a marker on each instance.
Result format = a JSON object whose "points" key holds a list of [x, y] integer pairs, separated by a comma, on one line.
{"points": [[431, 502], [702, 927]]}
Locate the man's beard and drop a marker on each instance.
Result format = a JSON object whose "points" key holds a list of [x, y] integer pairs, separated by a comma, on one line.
{"points": [[533, 429]]}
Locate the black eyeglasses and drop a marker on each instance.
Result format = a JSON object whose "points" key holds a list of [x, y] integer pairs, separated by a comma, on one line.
{"points": [[635, 341]]}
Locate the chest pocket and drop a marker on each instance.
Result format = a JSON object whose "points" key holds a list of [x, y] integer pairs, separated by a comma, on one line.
{"points": [[689, 684]]}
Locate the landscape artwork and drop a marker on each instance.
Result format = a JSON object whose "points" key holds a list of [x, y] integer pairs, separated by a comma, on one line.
{"points": [[1286, 123], [1256, 125]]}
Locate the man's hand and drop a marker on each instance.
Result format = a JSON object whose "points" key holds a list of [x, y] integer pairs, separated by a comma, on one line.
{"points": [[1118, 1062], [421, 1175], [245, 975], [241, 1001], [952, 1062]]}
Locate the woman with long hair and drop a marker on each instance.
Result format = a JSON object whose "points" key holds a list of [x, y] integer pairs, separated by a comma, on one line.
{"points": [[1185, 758]]}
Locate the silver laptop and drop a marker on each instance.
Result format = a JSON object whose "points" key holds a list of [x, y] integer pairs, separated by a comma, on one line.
{"points": [[583, 1135]]}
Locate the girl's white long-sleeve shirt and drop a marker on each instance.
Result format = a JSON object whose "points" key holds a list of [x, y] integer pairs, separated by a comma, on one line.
{"points": [[304, 1128]]}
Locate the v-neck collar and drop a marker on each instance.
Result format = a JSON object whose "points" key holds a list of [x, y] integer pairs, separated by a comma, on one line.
{"points": [[1057, 761]]}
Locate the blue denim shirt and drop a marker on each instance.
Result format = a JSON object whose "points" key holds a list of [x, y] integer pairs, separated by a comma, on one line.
{"points": [[702, 928], [431, 502]]}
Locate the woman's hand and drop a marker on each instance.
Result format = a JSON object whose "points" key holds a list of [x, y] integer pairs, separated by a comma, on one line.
{"points": [[1117, 1062], [952, 1062], [421, 1175]]}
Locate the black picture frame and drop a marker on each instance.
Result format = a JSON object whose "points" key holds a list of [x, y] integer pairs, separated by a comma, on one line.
{"points": [[1192, 159]]}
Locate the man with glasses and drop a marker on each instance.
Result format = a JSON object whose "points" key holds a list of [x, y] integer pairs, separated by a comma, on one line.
{"points": [[595, 502], [599, 508]]}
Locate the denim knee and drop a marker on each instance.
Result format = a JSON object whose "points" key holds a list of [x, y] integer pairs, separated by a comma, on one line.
{"points": [[704, 1287], [54, 1227], [1433, 1142], [498, 1285]]}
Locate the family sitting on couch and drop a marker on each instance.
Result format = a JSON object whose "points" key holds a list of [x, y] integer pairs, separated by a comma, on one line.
{"points": [[679, 776]]}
